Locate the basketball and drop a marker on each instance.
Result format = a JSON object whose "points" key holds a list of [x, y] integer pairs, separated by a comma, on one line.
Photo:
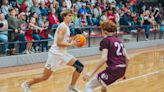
{"points": [[81, 39]]}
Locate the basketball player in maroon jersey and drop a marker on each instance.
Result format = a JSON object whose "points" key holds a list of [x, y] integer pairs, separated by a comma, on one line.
{"points": [[113, 54]]}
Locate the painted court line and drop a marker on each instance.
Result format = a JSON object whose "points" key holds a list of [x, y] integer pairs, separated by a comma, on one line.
{"points": [[137, 77]]}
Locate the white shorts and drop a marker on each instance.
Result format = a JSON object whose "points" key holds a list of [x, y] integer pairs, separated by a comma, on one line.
{"points": [[56, 60]]}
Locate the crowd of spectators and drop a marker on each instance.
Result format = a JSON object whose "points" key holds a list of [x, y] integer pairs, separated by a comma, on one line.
{"points": [[32, 20]]}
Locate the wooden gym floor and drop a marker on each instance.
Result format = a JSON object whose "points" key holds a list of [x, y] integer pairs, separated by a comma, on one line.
{"points": [[145, 73]]}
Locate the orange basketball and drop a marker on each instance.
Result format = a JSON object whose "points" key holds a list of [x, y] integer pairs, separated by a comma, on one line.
{"points": [[81, 39]]}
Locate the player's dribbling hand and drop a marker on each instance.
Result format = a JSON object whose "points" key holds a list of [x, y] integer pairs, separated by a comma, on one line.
{"points": [[87, 76], [74, 42]]}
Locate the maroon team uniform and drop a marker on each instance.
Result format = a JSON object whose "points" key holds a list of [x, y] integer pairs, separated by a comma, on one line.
{"points": [[116, 64]]}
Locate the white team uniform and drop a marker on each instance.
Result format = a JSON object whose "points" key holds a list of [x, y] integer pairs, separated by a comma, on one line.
{"points": [[58, 56]]}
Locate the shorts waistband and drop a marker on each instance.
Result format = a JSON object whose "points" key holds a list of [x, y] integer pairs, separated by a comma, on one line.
{"points": [[121, 65]]}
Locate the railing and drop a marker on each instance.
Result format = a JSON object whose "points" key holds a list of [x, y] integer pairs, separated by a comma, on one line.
{"points": [[94, 39]]}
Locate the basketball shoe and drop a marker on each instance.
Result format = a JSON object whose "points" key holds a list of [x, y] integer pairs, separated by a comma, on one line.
{"points": [[73, 89], [25, 87]]}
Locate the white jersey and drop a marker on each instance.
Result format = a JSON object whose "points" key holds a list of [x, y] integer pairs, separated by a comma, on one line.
{"points": [[60, 50]]}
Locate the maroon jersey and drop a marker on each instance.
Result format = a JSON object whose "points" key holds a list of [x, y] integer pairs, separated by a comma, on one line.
{"points": [[115, 57], [115, 50]]}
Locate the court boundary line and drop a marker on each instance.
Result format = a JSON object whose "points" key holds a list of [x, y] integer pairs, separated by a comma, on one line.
{"points": [[137, 77]]}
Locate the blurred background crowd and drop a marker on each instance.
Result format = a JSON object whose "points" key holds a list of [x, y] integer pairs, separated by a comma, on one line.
{"points": [[36, 20]]}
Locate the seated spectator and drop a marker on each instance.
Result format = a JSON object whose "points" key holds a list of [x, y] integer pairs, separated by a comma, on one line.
{"points": [[23, 5], [4, 32], [60, 9], [42, 19], [78, 4], [43, 9], [35, 8], [74, 17], [53, 18], [82, 22], [103, 16], [5, 7], [103, 5], [89, 13], [30, 3], [97, 12], [111, 16], [68, 3], [82, 10]]}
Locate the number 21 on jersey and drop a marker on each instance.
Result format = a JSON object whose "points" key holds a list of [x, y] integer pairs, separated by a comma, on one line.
{"points": [[120, 48]]}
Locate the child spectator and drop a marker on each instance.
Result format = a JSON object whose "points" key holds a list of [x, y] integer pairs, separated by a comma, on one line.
{"points": [[14, 24], [29, 34]]}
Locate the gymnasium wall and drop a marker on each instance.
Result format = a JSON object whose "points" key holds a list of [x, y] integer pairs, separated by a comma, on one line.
{"points": [[41, 57]]}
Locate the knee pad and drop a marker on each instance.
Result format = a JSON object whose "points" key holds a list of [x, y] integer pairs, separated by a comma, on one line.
{"points": [[79, 66]]}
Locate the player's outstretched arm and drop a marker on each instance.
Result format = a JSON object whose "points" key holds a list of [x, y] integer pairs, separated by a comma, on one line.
{"points": [[103, 59]]}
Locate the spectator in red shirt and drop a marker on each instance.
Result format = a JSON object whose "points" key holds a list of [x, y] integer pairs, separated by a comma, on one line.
{"points": [[111, 16], [23, 6], [53, 19]]}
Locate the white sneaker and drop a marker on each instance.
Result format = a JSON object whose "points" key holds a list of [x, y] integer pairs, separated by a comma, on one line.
{"points": [[26, 52], [25, 87], [146, 39], [73, 89]]}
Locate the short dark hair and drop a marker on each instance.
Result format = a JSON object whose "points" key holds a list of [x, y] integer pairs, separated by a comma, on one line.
{"points": [[108, 26], [11, 9], [66, 12]]}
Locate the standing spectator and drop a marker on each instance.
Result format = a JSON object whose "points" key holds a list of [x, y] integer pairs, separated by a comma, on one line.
{"points": [[157, 17], [148, 20], [5, 7], [44, 36], [14, 24], [4, 32], [29, 34], [23, 26]]}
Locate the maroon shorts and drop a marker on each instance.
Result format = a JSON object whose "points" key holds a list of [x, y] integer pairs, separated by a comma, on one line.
{"points": [[110, 75]]}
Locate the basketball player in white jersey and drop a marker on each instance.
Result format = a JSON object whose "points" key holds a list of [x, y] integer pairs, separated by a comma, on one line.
{"points": [[58, 55]]}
